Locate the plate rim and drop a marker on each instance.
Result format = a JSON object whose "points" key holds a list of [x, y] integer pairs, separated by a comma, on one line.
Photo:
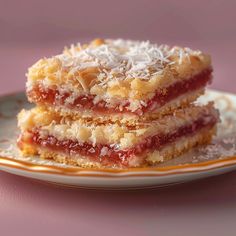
{"points": [[129, 172]]}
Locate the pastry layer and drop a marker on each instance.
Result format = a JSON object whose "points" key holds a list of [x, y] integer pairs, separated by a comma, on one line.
{"points": [[117, 76], [87, 105], [110, 144], [151, 158]]}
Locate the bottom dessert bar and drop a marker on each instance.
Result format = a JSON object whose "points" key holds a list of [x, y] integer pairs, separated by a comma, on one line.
{"points": [[90, 144]]}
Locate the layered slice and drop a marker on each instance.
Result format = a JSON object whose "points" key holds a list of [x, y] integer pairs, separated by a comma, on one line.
{"points": [[119, 80], [85, 143]]}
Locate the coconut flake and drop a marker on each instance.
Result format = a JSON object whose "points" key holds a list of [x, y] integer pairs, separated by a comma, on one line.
{"points": [[123, 58], [104, 151]]}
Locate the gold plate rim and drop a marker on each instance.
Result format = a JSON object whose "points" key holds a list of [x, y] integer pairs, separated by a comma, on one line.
{"points": [[129, 172]]}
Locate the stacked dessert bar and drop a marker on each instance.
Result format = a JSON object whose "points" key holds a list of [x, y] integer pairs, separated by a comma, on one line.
{"points": [[117, 103]]}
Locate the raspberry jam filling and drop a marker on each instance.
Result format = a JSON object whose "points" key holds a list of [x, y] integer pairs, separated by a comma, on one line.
{"points": [[109, 155], [52, 97]]}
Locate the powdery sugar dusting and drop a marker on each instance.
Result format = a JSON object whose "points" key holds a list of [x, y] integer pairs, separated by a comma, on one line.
{"points": [[221, 148]]}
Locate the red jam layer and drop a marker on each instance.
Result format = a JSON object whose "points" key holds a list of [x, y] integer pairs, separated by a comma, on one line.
{"points": [[50, 96], [109, 155]]}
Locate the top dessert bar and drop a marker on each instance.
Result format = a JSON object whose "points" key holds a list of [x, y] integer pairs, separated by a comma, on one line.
{"points": [[119, 79]]}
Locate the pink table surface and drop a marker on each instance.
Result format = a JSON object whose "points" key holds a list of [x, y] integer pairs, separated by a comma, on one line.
{"points": [[205, 207]]}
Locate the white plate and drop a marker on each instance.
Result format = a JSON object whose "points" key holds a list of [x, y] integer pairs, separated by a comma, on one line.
{"points": [[214, 159]]}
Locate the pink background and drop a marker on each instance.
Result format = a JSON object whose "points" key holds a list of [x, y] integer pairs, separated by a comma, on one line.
{"points": [[32, 29]]}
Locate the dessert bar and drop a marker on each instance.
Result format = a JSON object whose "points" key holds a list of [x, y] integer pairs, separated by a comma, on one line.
{"points": [[91, 144], [117, 104], [119, 80]]}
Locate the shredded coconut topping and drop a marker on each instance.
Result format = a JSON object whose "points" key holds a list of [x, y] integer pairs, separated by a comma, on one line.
{"points": [[122, 58]]}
